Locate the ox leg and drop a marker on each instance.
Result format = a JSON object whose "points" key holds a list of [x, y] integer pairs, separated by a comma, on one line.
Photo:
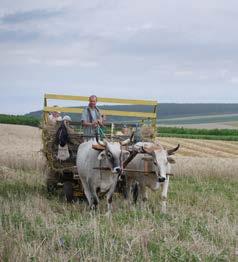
{"points": [[142, 192], [165, 187], [87, 192], [143, 195], [94, 197], [128, 190], [109, 197]]}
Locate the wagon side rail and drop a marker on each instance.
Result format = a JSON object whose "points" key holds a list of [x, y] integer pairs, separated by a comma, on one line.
{"points": [[152, 115]]}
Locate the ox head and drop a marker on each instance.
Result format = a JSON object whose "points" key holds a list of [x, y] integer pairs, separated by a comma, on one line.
{"points": [[161, 158], [112, 153]]}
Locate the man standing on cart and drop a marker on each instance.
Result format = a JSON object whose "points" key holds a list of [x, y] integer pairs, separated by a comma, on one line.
{"points": [[91, 119]]}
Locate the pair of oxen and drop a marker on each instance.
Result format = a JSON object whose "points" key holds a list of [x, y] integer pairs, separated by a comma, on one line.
{"points": [[101, 164]]}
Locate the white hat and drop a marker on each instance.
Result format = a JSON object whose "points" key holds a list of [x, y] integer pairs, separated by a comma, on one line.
{"points": [[68, 118]]}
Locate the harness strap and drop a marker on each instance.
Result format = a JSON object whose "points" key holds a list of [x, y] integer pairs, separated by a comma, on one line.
{"points": [[121, 166], [101, 133], [90, 114], [100, 165]]}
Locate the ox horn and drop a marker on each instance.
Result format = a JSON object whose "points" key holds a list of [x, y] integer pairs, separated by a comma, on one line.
{"points": [[148, 149], [125, 142], [132, 137], [101, 143], [173, 150], [128, 140]]}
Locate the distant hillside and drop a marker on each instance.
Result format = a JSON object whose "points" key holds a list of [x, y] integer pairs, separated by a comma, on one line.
{"points": [[166, 110]]}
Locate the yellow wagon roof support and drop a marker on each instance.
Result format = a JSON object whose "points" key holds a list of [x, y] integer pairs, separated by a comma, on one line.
{"points": [[144, 115], [103, 99]]}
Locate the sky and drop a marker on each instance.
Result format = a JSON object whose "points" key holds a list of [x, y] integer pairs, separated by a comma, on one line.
{"points": [[166, 50]]}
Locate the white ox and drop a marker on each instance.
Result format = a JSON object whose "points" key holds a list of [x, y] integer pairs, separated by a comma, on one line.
{"points": [[161, 161], [98, 154]]}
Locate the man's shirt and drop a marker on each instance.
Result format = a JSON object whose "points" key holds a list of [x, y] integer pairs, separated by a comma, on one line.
{"points": [[90, 130]]}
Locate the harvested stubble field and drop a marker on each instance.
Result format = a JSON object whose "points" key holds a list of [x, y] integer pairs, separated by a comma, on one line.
{"points": [[200, 224]]}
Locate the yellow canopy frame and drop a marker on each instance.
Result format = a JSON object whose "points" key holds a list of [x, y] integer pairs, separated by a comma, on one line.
{"points": [[144, 115]]}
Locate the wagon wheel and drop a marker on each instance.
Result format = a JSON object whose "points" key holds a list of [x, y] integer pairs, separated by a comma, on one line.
{"points": [[68, 191]]}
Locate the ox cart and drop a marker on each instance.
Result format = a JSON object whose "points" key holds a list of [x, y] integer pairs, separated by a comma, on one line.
{"points": [[63, 174]]}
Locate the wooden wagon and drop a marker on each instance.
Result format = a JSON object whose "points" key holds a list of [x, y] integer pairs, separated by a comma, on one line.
{"points": [[63, 174]]}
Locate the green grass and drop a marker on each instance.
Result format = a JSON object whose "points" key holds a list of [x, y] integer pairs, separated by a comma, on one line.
{"points": [[211, 134], [19, 120], [207, 137], [199, 225], [194, 131]]}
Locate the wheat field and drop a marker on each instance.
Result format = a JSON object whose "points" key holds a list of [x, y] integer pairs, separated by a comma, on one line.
{"points": [[200, 224]]}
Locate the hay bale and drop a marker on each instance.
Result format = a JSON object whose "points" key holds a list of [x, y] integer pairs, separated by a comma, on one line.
{"points": [[50, 148]]}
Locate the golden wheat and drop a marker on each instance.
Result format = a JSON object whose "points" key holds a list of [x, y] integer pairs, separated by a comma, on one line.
{"points": [[20, 147]]}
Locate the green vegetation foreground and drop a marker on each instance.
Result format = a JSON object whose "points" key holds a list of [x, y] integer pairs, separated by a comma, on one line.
{"points": [[200, 224]]}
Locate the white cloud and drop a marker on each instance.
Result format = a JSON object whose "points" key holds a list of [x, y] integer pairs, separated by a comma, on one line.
{"points": [[183, 73], [224, 73], [234, 80], [162, 47]]}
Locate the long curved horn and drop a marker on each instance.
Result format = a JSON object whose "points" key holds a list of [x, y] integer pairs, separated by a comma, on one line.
{"points": [[132, 137], [100, 142], [148, 149], [128, 140], [125, 142], [173, 150]]}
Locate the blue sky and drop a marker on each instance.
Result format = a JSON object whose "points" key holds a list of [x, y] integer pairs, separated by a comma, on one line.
{"points": [[172, 51]]}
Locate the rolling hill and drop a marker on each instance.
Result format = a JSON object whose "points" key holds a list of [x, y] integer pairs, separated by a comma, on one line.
{"points": [[174, 114]]}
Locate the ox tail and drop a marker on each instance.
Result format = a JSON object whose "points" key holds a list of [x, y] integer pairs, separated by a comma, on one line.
{"points": [[93, 193]]}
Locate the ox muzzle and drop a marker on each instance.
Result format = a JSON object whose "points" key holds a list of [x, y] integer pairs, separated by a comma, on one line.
{"points": [[117, 170], [161, 179]]}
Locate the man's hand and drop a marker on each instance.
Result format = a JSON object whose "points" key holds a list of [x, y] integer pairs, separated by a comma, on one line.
{"points": [[100, 123], [95, 123]]}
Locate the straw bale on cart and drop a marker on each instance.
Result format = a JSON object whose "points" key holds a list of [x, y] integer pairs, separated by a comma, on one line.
{"points": [[50, 149]]}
